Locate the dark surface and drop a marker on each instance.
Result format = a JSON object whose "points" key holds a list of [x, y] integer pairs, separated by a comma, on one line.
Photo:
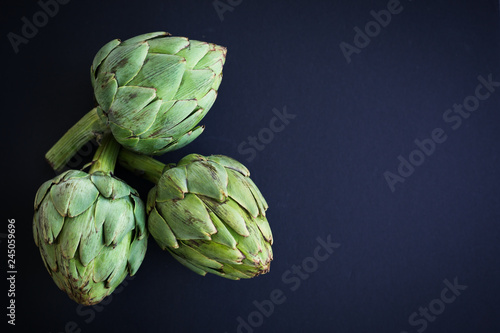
{"points": [[322, 175]]}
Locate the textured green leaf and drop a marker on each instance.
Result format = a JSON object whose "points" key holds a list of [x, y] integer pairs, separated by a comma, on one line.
{"points": [[103, 183], [63, 176], [217, 54], [188, 159], [230, 163], [217, 69], [234, 272], [194, 268], [195, 84], [74, 174], [109, 186], [168, 45], [152, 146], [184, 140], [223, 236], [220, 273], [249, 271], [127, 100], [137, 254], [96, 293], [266, 256], [172, 185], [120, 260], [238, 189], [140, 217], [207, 101], [118, 275], [188, 218], [74, 196], [74, 267], [48, 252], [208, 179], [259, 198], [145, 37], [118, 216], [264, 228], [137, 120], [60, 281], [125, 61], [106, 263], [194, 52], [196, 257], [42, 191], [91, 243], [49, 222], [252, 244], [103, 53], [215, 251], [72, 231], [217, 82], [63, 266], [187, 124], [151, 200], [171, 117], [163, 72], [34, 226], [230, 213], [100, 113], [124, 136], [161, 232], [105, 89]]}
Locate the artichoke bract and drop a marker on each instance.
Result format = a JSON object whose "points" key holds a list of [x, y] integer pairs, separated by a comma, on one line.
{"points": [[208, 213], [90, 229], [152, 91]]}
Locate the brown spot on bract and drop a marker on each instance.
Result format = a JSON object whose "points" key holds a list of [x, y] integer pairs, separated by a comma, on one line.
{"points": [[122, 63]]}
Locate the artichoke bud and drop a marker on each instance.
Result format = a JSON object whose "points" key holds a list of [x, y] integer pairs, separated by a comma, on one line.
{"points": [[210, 216], [154, 89], [91, 232]]}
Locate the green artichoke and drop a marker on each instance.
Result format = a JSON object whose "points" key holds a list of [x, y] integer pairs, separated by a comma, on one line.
{"points": [[91, 231], [208, 213], [152, 91]]}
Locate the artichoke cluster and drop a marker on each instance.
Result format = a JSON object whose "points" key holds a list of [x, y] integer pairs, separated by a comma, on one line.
{"points": [[92, 228]]}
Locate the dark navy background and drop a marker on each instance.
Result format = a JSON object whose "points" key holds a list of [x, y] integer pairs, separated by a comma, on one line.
{"points": [[323, 174]]}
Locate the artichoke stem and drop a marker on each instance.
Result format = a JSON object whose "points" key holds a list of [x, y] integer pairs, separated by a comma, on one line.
{"points": [[75, 138], [106, 155], [142, 165]]}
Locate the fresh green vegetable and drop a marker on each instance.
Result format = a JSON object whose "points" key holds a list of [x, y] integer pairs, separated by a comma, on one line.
{"points": [[90, 228], [208, 213], [152, 91]]}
